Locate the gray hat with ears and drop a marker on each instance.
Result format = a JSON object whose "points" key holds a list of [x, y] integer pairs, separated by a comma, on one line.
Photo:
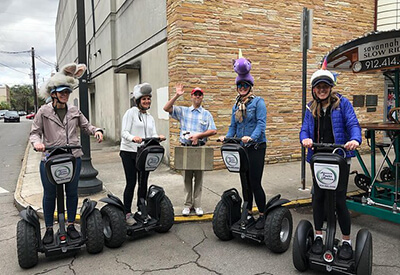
{"points": [[142, 90]]}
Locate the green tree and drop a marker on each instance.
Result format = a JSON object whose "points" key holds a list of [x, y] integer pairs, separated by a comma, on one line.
{"points": [[4, 105], [21, 98]]}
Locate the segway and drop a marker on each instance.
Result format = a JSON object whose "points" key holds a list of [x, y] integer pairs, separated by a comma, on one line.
{"points": [[230, 216], [156, 213], [330, 172], [60, 169]]}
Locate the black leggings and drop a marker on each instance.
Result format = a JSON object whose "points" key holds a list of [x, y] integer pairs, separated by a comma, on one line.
{"points": [[131, 174], [253, 177], [318, 203]]}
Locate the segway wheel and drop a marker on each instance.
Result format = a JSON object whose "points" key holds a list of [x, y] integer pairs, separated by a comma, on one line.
{"points": [[362, 181], [278, 229], [166, 215], [386, 174], [302, 242], [220, 222], [363, 252], [94, 227], [26, 244], [114, 226]]}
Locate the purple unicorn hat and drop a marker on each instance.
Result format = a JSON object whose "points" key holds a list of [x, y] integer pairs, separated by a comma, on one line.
{"points": [[242, 67]]}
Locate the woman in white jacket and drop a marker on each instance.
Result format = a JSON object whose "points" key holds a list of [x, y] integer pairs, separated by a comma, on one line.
{"points": [[137, 124]]}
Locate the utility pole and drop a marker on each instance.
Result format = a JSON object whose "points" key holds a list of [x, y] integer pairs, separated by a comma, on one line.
{"points": [[35, 101], [88, 183], [306, 43]]}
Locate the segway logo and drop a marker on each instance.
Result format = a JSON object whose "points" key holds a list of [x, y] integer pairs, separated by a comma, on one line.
{"points": [[231, 160], [62, 172], [152, 161], [326, 175]]}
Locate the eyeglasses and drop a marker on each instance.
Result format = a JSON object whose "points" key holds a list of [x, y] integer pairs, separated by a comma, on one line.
{"points": [[243, 85], [198, 94]]}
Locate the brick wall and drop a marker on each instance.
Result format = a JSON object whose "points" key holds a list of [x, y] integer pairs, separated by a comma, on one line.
{"points": [[205, 35]]}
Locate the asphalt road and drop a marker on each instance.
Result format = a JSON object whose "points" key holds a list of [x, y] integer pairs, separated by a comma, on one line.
{"points": [[188, 248]]}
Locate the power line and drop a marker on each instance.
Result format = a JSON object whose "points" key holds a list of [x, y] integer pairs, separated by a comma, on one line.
{"points": [[46, 62], [8, 52], [12, 68]]}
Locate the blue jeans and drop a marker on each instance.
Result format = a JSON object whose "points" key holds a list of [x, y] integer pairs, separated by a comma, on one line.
{"points": [[49, 195]]}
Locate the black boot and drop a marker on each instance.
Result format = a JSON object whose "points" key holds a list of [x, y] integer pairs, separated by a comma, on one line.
{"points": [[72, 233], [48, 236]]}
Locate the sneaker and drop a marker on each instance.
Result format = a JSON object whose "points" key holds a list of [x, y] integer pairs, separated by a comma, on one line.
{"points": [[72, 233], [318, 246], [199, 211], [186, 211], [260, 222], [345, 251], [48, 236], [129, 219]]}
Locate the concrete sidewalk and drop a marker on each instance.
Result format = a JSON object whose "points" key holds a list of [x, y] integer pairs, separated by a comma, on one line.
{"points": [[281, 178]]}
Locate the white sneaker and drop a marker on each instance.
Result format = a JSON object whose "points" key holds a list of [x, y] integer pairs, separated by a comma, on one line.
{"points": [[199, 211], [129, 219], [186, 211]]}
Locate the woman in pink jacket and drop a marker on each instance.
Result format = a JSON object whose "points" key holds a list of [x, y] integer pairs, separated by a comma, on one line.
{"points": [[56, 124]]}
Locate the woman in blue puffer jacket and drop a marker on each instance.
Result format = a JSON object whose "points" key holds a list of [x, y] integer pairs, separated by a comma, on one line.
{"points": [[330, 118]]}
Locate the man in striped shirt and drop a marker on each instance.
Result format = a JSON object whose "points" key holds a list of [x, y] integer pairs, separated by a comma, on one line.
{"points": [[196, 124]]}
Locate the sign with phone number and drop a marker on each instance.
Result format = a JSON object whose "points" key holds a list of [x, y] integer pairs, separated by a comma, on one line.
{"points": [[374, 64]]}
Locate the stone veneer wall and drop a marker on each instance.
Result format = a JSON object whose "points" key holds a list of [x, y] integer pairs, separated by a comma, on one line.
{"points": [[205, 35]]}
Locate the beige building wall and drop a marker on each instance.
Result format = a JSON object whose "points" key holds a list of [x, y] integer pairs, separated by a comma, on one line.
{"points": [[125, 46], [4, 93]]}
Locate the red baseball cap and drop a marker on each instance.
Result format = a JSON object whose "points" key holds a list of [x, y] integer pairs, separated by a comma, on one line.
{"points": [[197, 89]]}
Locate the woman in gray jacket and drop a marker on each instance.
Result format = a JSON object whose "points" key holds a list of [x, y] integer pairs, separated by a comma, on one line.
{"points": [[56, 124]]}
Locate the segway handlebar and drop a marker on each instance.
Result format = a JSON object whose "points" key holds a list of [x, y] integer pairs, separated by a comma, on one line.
{"points": [[329, 145], [145, 140], [233, 140], [66, 147]]}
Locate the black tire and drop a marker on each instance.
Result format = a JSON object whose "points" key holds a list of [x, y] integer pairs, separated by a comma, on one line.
{"points": [[386, 174], [166, 215], [220, 222], [362, 181], [302, 242], [94, 229], [114, 226], [364, 252], [26, 244], [278, 229]]}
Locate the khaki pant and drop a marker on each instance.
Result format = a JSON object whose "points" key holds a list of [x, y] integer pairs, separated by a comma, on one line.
{"points": [[193, 194]]}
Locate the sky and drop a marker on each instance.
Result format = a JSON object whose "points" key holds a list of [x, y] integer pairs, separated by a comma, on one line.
{"points": [[25, 24]]}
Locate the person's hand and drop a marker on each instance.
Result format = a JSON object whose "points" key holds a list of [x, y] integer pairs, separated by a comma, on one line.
{"points": [[162, 137], [194, 139], [137, 139], [307, 142], [246, 139], [39, 147], [99, 136], [179, 89], [351, 145], [221, 138]]}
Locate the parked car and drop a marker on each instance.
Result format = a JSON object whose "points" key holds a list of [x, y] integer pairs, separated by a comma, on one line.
{"points": [[11, 116], [2, 113], [31, 116], [22, 113]]}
